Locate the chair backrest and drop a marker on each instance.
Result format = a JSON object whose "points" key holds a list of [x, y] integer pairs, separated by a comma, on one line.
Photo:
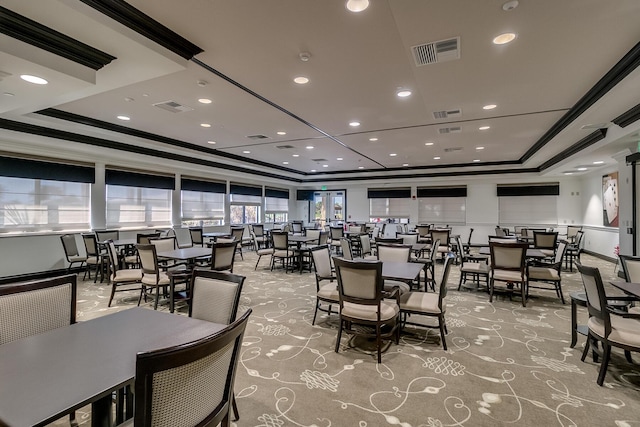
{"points": [[394, 252], [434, 251], [170, 233], [345, 246], [508, 256], [572, 230], [70, 246], [355, 228], [375, 233], [630, 268], [408, 239], [258, 229], [196, 236], [359, 282], [442, 235], [215, 296], [148, 259], [113, 257], [31, 308], [209, 364], [562, 248], [518, 229], [423, 230], [236, 233], [389, 240], [161, 232], [596, 296], [442, 293], [90, 244], [164, 243], [503, 239], [460, 254], [314, 234], [104, 235], [545, 239], [578, 239], [280, 240], [144, 238], [322, 261], [499, 232], [337, 233], [469, 238], [223, 255], [365, 244], [296, 227]]}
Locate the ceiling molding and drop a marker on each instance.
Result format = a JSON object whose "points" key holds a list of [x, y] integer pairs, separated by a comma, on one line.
{"points": [[585, 142], [614, 76], [143, 24], [628, 117], [427, 175], [31, 32], [99, 142]]}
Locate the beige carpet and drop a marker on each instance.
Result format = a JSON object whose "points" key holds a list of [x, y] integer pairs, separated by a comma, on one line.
{"points": [[506, 365]]}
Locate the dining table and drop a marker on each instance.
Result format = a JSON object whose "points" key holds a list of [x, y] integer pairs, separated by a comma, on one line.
{"points": [[401, 271], [46, 376], [531, 252], [629, 288], [188, 255]]}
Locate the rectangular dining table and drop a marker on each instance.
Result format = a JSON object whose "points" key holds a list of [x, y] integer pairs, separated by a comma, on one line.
{"points": [[531, 252], [47, 376], [401, 271], [189, 255], [629, 288]]}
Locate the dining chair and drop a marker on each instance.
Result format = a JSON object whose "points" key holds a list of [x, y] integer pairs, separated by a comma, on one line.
{"points": [[189, 384], [296, 227], [327, 293], [428, 304], [423, 233], [141, 239], [125, 277], [508, 265], [546, 242], [541, 272], [476, 266], [573, 251], [261, 238], [35, 307], [215, 297], [364, 302], [153, 277], [610, 327], [223, 255], [196, 236], [71, 252], [282, 250], [95, 259], [104, 235], [260, 252], [365, 248], [237, 234], [345, 248], [443, 236], [335, 234], [407, 239], [631, 270]]}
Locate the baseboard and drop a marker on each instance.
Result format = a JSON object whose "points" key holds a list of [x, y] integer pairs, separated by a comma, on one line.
{"points": [[597, 255], [39, 275]]}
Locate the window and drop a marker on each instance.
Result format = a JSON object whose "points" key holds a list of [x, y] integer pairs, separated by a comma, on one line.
{"points": [[42, 205], [202, 202], [245, 203], [442, 210], [528, 210], [389, 203], [138, 207], [276, 205]]}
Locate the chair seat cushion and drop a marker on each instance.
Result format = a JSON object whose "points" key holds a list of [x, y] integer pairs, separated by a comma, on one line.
{"points": [[329, 292], [420, 302], [623, 330], [267, 251], [543, 273], [634, 310], [131, 259], [127, 275], [402, 286], [370, 258], [94, 260], [281, 253], [77, 258], [474, 268], [508, 276], [548, 252], [150, 279], [388, 310]]}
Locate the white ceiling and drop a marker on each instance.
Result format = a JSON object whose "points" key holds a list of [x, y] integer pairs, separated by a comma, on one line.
{"points": [[357, 62]]}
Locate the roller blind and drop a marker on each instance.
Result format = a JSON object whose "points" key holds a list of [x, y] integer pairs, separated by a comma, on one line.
{"points": [[528, 210], [442, 210]]}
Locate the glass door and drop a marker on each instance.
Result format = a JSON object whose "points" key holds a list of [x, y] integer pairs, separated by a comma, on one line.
{"points": [[328, 207]]}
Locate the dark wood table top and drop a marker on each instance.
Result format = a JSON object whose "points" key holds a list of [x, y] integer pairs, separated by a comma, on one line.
{"points": [[531, 253], [402, 271], [299, 238], [46, 376], [216, 234], [122, 242], [185, 254], [629, 288]]}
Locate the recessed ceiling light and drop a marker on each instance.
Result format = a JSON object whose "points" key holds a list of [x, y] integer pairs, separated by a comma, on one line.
{"points": [[393, 154], [301, 80], [373, 139], [125, 118], [325, 166], [281, 133], [436, 158], [479, 148], [354, 124], [598, 162], [205, 125], [405, 164], [204, 101], [309, 147], [285, 163], [339, 158], [33, 79], [295, 155], [357, 5], [211, 142], [403, 93], [484, 127], [568, 173], [246, 151], [428, 144], [504, 38], [360, 167], [582, 169], [489, 107], [476, 160], [313, 170]]}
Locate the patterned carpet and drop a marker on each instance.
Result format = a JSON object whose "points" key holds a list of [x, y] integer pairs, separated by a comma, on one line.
{"points": [[506, 365]]}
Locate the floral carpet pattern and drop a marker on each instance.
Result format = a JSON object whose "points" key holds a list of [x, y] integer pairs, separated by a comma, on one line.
{"points": [[505, 364]]}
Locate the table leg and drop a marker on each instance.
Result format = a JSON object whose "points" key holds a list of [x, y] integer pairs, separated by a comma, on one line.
{"points": [[574, 323], [101, 412]]}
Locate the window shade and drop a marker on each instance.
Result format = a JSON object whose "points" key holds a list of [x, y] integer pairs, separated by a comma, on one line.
{"points": [[134, 179], [523, 210], [442, 210], [238, 189], [203, 186], [389, 208], [275, 204], [138, 207], [202, 205], [23, 168], [276, 193], [389, 193], [442, 191], [552, 189]]}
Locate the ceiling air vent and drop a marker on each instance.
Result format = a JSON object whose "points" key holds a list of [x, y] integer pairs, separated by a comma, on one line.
{"points": [[284, 147], [440, 51], [254, 137], [172, 106], [319, 160], [452, 149], [455, 129], [447, 114]]}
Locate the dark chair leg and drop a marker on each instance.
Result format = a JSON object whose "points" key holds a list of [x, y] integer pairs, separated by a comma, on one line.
{"points": [[234, 406], [606, 354], [586, 348], [627, 355]]}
